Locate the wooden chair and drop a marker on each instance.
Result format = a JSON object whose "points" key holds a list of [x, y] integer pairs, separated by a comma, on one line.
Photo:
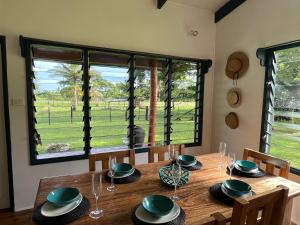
{"points": [[270, 205], [264, 209], [104, 157], [161, 150], [270, 161]]}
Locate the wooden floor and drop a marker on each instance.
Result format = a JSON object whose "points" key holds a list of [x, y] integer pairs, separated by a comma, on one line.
{"points": [[19, 218]]}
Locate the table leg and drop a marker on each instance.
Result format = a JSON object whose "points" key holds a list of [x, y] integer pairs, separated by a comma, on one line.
{"points": [[288, 212]]}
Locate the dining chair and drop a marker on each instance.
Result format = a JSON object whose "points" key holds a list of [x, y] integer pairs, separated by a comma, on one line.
{"points": [[270, 162], [161, 150], [104, 158], [263, 209]]}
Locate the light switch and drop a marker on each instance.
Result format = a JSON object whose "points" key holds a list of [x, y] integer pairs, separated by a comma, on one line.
{"points": [[17, 102]]}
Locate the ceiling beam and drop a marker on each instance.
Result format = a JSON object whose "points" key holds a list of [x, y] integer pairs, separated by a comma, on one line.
{"points": [[160, 3], [227, 8]]}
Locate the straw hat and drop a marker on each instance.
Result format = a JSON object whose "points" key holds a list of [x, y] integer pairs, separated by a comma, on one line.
{"points": [[234, 97], [237, 65], [232, 120]]}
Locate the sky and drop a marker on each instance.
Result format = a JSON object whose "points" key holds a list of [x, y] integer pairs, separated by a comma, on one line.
{"points": [[47, 80]]}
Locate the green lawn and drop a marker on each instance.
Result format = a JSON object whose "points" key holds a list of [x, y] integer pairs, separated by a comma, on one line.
{"points": [[286, 142], [109, 126]]}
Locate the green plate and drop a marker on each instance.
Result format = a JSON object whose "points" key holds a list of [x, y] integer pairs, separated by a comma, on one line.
{"points": [[123, 169], [63, 196], [237, 187], [186, 159], [158, 205], [246, 165], [166, 179]]}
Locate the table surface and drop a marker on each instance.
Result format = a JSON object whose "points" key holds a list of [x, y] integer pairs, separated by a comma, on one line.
{"points": [[195, 198]]}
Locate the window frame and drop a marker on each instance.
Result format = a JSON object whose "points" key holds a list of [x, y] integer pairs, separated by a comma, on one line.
{"points": [[267, 60], [203, 66]]}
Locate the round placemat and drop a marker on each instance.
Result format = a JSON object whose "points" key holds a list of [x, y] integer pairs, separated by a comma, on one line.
{"points": [[259, 173], [180, 220], [125, 180], [69, 217], [219, 195], [197, 166]]}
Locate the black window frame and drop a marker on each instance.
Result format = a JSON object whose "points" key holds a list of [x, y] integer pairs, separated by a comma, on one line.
{"points": [[203, 66], [268, 60]]}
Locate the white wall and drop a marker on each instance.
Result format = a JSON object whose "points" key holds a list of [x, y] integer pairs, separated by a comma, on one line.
{"points": [[131, 24], [256, 23]]}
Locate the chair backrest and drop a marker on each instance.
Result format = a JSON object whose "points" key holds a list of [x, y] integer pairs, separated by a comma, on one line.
{"points": [[161, 150], [104, 157], [270, 205], [270, 161]]}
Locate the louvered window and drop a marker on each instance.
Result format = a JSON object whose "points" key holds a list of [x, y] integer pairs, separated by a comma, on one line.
{"points": [[82, 99], [281, 106]]}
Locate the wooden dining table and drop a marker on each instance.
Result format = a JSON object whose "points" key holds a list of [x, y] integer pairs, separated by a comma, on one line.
{"points": [[195, 198]]}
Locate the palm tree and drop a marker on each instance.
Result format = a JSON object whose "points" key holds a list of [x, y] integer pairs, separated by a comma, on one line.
{"points": [[72, 81]]}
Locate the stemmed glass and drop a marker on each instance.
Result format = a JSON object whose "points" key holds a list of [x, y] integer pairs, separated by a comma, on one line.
{"points": [[112, 166], [175, 174], [172, 153], [222, 152], [97, 191], [231, 162]]}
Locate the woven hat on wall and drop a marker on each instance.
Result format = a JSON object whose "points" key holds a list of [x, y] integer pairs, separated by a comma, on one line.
{"points": [[237, 65], [232, 120], [234, 97]]}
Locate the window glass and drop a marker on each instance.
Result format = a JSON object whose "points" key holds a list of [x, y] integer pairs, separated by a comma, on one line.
{"points": [[58, 93], [183, 102], [285, 141]]}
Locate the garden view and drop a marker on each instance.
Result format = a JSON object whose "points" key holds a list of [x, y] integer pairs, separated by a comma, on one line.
{"points": [[59, 105]]}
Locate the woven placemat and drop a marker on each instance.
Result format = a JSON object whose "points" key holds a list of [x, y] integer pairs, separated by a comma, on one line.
{"points": [[75, 214], [219, 195], [125, 180], [197, 166], [180, 220], [259, 173]]}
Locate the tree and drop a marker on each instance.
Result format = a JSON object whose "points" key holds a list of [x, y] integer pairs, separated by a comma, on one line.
{"points": [[72, 84]]}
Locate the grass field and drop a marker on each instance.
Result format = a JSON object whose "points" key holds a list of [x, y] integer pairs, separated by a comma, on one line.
{"points": [[286, 142], [109, 125]]}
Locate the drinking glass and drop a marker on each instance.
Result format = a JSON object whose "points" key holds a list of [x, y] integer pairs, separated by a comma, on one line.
{"points": [[97, 191], [172, 153], [175, 174], [230, 162], [222, 152], [112, 166]]}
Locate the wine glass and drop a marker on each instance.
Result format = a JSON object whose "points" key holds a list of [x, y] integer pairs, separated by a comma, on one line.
{"points": [[172, 153], [230, 162], [97, 191], [222, 152], [112, 166], [175, 174]]}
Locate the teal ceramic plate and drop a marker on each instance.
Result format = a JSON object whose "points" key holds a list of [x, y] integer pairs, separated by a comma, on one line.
{"points": [[246, 165], [187, 160], [123, 169], [158, 205], [164, 173], [63, 196], [148, 218], [50, 210], [237, 187], [232, 195], [122, 176]]}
